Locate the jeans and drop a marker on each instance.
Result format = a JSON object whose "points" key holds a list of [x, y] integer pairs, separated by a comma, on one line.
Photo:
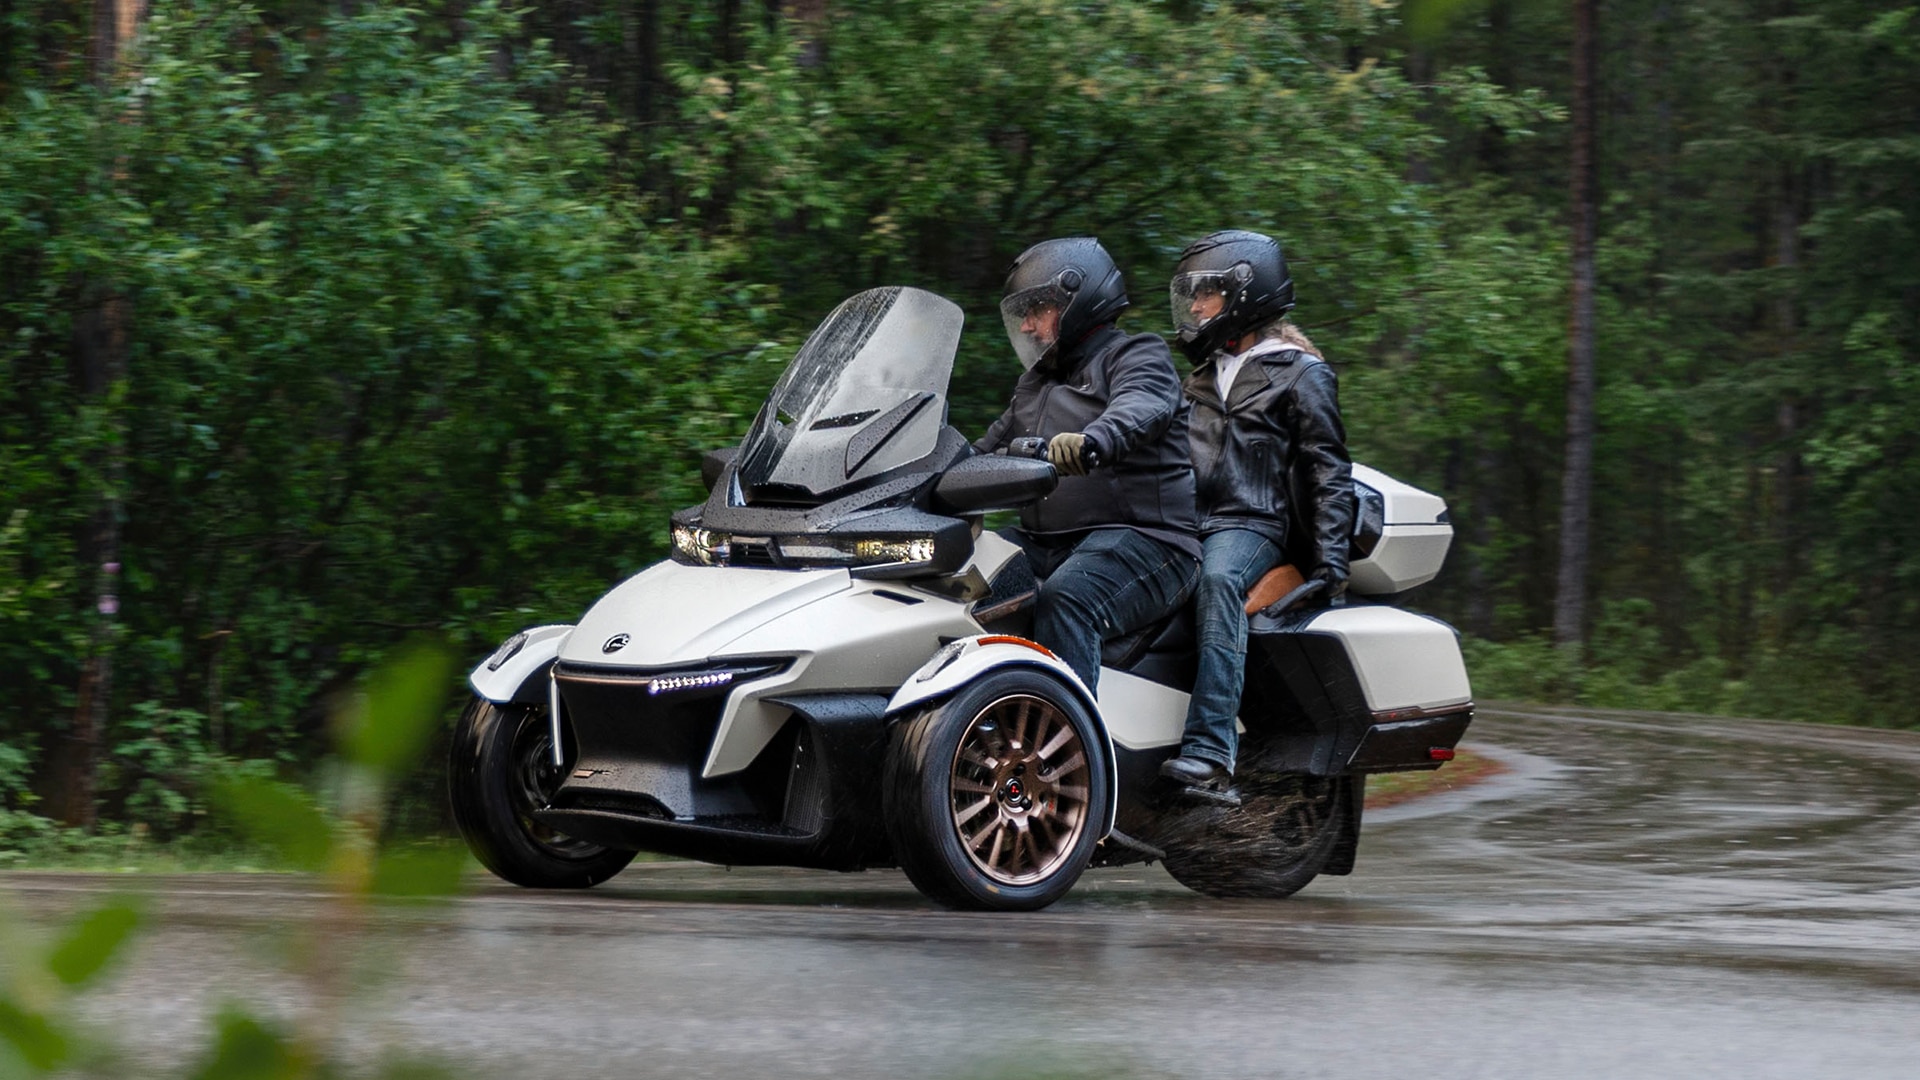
{"points": [[1112, 582], [1233, 560]]}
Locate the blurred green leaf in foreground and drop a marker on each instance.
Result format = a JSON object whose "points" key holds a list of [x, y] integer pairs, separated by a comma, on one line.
{"points": [[381, 729]]}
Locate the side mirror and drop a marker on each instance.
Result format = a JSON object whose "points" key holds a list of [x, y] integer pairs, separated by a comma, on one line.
{"points": [[713, 464], [994, 482]]}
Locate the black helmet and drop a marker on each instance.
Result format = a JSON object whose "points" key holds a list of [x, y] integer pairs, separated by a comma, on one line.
{"points": [[1074, 275], [1246, 270]]}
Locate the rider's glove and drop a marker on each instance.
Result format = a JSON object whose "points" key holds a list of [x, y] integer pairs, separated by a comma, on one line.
{"points": [[1069, 452], [1336, 581]]}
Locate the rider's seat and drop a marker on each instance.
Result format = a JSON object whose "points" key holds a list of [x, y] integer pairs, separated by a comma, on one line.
{"points": [[1171, 634], [1273, 585]]}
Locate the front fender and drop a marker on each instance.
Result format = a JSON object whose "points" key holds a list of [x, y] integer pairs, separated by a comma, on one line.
{"points": [[519, 678], [961, 662]]}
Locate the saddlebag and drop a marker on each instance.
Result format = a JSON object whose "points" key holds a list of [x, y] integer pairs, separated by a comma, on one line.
{"points": [[1356, 688]]}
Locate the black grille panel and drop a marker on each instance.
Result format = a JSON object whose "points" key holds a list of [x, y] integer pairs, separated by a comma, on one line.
{"points": [[641, 751]]}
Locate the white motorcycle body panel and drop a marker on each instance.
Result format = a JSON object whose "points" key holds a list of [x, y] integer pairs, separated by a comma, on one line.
{"points": [[1141, 714], [939, 676], [499, 687], [871, 636], [991, 552], [840, 633], [1413, 542], [1403, 660], [676, 614]]}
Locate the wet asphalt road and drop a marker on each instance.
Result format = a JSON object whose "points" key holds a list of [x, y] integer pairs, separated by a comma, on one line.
{"points": [[1637, 896]]}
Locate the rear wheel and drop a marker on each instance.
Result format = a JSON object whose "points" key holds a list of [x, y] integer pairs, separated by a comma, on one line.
{"points": [[501, 770], [996, 798], [1282, 835]]}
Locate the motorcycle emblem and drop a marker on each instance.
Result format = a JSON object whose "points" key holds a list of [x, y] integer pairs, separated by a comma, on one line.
{"points": [[616, 643]]}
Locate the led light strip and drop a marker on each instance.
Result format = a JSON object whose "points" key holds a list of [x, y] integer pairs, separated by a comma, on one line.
{"points": [[669, 683]]}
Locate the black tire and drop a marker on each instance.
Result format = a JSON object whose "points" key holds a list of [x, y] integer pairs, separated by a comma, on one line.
{"points": [[1281, 837], [500, 770], [1043, 780]]}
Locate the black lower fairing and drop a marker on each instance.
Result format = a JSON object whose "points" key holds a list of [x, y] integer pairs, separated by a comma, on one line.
{"points": [[810, 798]]}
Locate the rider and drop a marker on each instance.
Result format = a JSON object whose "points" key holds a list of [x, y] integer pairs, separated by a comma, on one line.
{"points": [[1115, 545], [1270, 456]]}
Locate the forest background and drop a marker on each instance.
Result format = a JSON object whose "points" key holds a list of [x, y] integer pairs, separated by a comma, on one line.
{"points": [[326, 325]]}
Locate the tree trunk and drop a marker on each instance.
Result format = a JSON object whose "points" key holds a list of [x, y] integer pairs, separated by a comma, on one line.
{"points": [[1495, 155], [645, 60], [100, 355], [807, 21], [1576, 483], [101, 340], [732, 46], [1788, 418]]}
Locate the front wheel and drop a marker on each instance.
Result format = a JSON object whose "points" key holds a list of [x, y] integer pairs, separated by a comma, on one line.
{"points": [[996, 798], [501, 770], [1284, 833]]}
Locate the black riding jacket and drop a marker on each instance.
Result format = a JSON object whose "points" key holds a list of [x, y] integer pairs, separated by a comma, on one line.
{"points": [[1122, 391], [1273, 458]]}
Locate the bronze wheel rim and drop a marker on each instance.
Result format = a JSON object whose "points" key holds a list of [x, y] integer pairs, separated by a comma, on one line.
{"points": [[1020, 789]]}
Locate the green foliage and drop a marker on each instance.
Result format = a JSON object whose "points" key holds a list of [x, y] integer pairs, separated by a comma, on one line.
{"points": [[247, 1048], [402, 358], [389, 724], [930, 143], [91, 943], [37, 1034], [432, 313], [280, 817], [36, 1037], [162, 761], [38, 1043]]}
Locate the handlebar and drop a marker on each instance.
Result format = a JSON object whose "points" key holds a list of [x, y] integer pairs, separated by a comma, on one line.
{"points": [[1301, 594], [1033, 446]]}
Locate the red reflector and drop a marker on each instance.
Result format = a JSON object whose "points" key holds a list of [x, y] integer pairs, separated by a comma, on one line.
{"points": [[1009, 639], [1440, 753]]}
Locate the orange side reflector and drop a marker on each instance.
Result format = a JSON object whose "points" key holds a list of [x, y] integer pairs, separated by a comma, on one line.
{"points": [[1009, 639]]}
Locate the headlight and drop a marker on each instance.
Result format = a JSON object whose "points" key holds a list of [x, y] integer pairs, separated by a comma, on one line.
{"points": [[917, 549], [855, 551], [703, 547], [706, 547]]}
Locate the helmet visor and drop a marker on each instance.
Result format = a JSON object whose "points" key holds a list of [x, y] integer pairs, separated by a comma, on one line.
{"points": [[1032, 317], [1198, 298]]}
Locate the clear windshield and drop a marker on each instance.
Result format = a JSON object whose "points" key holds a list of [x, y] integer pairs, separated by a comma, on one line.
{"points": [[866, 393]]}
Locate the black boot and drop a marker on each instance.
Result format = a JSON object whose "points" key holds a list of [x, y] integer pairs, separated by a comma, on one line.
{"points": [[1200, 780]]}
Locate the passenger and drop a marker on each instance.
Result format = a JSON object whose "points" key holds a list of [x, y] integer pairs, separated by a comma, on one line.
{"points": [[1275, 480], [1115, 546]]}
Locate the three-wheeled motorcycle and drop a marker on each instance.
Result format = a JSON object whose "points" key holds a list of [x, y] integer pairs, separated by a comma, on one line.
{"points": [[834, 669]]}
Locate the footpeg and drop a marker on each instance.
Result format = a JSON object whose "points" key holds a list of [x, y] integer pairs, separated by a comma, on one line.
{"points": [[1218, 796], [1198, 780]]}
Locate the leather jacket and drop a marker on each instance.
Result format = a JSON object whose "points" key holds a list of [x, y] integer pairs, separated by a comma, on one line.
{"points": [[1273, 458], [1122, 391]]}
